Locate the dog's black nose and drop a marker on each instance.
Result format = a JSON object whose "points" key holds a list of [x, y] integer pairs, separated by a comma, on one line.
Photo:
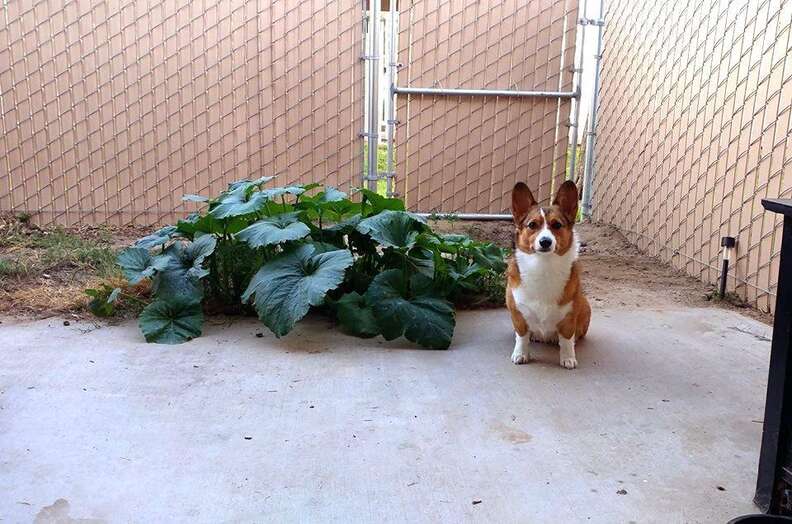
{"points": [[545, 243]]}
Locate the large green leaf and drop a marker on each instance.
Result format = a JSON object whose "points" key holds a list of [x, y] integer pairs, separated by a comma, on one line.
{"points": [[338, 210], [422, 263], [157, 238], [397, 229], [323, 247], [274, 230], [239, 201], [330, 203], [249, 184], [195, 224], [241, 198], [451, 243], [137, 264], [356, 316], [285, 288], [417, 259], [331, 194], [275, 192], [464, 273], [410, 309], [171, 321], [181, 277], [378, 203], [190, 256], [177, 283], [490, 256], [346, 225], [196, 252], [188, 225]]}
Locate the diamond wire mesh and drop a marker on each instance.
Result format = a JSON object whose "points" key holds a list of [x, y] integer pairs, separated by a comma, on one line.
{"points": [[110, 110], [464, 154], [696, 102]]}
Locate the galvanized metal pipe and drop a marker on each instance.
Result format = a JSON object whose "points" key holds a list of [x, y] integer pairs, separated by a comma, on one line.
{"points": [[466, 216], [481, 92], [574, 111], [373, 59], [392, 70], [588, 173], [364, 64]]}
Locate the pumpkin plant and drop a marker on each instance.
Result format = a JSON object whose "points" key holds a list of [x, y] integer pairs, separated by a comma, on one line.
{"points": [[280, 252]]}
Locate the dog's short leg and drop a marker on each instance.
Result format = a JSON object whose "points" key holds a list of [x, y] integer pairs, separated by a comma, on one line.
{"points": [[567, 352], [522, 336], [521, 353]]}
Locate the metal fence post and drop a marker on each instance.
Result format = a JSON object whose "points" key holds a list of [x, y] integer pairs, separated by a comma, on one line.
{"points": [[588, 172], [363, 134], [373, 58], [392, 70], [574, 111]]}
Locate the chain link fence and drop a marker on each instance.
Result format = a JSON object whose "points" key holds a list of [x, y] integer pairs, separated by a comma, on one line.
{"points": [[111, 110], [694, 131]]}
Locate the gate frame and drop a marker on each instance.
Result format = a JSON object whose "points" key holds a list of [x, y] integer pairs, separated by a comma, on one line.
{"points": [[371, 133]]}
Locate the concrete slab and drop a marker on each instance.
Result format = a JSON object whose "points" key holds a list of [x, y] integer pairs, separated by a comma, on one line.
{"points": [[661, 423]]}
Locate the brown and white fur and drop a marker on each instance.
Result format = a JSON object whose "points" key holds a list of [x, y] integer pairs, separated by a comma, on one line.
{"points": [[543, 291]]}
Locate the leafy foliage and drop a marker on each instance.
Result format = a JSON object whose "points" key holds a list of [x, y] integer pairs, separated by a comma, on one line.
{"points": [[280, 251], [171, 321], [356, 316], [409, 307], [157, 238], [274, 230], [286, 287], [102, 303], [397, 229], [137, 264]]}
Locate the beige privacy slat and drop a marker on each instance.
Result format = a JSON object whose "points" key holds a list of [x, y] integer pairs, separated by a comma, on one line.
{"points": [[110, 111], [695, 110]]}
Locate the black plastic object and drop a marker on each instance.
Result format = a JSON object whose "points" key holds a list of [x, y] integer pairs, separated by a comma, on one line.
{"points": [[728, 243], [774, 480], [760, 519]]}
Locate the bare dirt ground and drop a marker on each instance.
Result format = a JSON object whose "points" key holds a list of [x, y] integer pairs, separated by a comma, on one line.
{"points": [[615, 273], [44, 271]]}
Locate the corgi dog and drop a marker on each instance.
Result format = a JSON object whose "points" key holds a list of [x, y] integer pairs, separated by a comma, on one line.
{"points": [[543, 291]]}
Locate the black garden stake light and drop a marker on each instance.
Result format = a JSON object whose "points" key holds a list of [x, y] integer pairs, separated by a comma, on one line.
{"points": [[728, 244]]}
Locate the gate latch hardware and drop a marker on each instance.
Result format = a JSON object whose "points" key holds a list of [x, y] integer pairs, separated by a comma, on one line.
{"points": [[592, 21]]}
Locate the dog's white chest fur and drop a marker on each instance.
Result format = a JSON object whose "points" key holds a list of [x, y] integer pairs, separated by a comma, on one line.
{"points": [[543, 278]]}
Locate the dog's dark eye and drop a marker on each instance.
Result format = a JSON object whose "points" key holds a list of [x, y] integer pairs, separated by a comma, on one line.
{"points": [[531, 225], [556, 225]]}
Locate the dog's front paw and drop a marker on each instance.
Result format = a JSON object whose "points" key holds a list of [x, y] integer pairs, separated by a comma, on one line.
{"points": [[569, 363], [520, 357], [567, 346]]}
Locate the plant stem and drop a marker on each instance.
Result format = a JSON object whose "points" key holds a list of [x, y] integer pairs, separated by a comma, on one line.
{"points": [[405, 273], [127, 296]]}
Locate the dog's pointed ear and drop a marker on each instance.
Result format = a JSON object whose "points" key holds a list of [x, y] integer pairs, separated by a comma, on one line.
{"points": [[567, 200], [522, 202]]}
